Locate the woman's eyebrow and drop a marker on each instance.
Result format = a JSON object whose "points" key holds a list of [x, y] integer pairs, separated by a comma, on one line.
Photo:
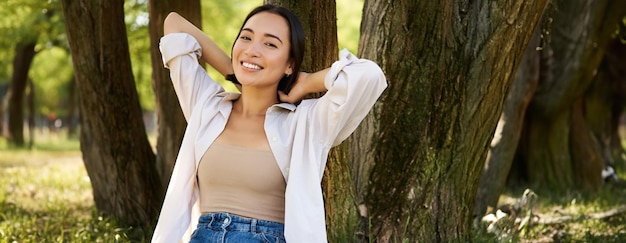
{"points": [[266, 34]]}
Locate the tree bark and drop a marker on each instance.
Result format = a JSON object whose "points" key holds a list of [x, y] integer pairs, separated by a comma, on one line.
{"points": [[115, 148], [450, 65], [24, 54], [505, 141], [170, 120], [561, 153]]}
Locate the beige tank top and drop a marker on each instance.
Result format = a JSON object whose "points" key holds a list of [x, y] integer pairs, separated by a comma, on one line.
{"points": [[241, 181]]}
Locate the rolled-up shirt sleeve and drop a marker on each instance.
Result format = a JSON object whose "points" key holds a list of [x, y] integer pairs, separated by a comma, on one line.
{"points": [[353, 86], [180, 53]]}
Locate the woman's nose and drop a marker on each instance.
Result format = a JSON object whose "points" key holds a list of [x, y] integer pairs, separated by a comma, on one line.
{"points": [[252, 50]]}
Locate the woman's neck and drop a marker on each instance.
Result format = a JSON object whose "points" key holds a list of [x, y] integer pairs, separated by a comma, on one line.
{"points": [[255, 102]]}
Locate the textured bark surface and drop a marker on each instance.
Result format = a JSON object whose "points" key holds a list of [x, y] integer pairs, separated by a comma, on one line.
{"points": [[560, 153], [170, 120], [449, 65], [24, 54], [506, 137], [115, 148]]}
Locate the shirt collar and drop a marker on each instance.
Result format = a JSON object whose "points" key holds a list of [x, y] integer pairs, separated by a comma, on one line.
{"points": [[230, 96]]}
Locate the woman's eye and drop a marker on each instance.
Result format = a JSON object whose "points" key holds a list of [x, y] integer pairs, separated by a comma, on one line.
{"points": [[271, 45], [243, 37]]}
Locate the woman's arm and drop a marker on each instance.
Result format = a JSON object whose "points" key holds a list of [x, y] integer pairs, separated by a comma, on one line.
{"points": [[211, 53], [354, 85]]}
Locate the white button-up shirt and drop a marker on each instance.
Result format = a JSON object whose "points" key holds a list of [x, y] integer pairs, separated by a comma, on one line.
{"points": [[300, 137]]}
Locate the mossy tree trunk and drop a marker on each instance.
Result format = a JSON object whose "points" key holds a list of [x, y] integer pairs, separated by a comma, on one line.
{"points": [[170, 119], [449, 66], [115, 148]]}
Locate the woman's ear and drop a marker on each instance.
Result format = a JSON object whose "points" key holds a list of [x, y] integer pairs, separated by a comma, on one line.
{"points": [[289, 70]]}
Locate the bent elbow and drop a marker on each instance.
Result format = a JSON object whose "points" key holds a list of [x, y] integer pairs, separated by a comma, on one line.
{"points": [[171, 22], [375, 75]]}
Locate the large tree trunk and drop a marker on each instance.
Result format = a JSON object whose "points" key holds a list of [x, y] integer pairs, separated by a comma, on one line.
{"points": [[116, 151], [561, 151], [450, 65], [24, 54], [320, 28], [506, 137], [170, 120]]}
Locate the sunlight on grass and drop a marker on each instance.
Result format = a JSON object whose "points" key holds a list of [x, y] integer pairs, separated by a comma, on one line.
{"points": [[570, 214], [46, 196]]}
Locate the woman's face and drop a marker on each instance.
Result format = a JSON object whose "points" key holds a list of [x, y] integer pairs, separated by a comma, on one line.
{"points": [[261, 53]]}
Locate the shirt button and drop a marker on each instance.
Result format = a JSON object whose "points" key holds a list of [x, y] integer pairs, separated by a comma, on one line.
{"points": [[274, 139]]}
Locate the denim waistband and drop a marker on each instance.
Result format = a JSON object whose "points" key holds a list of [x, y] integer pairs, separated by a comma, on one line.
{"points": [[233, 222]]}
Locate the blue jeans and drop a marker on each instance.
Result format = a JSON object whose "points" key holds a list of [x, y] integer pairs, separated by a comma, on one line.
{"points": [[229, 228]]}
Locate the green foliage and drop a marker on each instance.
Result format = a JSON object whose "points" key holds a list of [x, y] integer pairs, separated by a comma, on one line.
{"points": [[349, 24], [42, 22], [137, 20], [51, 71], [221, 21], [24, 21]]}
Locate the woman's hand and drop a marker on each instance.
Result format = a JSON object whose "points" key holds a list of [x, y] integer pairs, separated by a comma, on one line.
{"points": [[306, 83], [298, 90]]}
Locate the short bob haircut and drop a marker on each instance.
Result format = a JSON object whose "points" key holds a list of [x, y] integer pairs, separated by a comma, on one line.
{"points": [[296, 37]]}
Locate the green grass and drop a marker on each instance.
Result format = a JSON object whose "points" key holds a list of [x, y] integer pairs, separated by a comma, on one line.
{"points": [[577, 207], [46, 196]]}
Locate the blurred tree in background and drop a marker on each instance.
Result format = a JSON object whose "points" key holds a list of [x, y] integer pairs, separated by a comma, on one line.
{"points": [[28, 28]]}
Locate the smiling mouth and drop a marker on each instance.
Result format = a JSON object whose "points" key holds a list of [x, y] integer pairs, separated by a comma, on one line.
{"points": [[251, 66]]}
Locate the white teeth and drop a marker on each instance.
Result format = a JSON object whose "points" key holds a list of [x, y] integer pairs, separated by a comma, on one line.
{"points": [[251, 66]]}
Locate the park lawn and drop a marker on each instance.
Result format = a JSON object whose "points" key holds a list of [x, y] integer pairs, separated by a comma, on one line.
{"points": [[45, 196], [563, 216]]}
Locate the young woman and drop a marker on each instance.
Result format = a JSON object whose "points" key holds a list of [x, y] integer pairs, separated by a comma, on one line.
{"points": [[250, 164]]}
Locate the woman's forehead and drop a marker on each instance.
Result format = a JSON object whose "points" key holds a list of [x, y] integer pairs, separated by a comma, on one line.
{"points": [[268, 23]]}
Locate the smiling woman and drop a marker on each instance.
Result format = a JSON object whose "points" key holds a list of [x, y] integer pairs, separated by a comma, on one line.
{"points": [[249, 160]]}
